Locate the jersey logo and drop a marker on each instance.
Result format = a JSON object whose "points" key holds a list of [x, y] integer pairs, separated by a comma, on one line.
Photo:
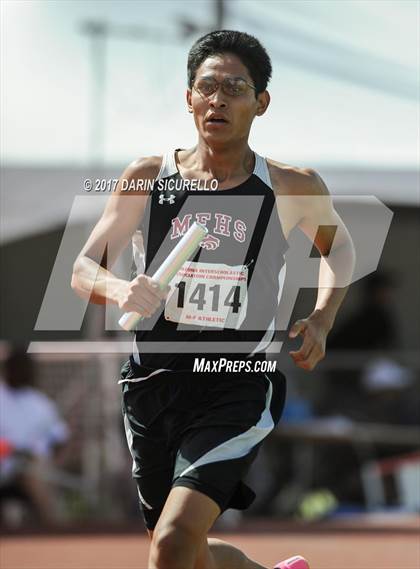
{"points": [[162, 199], [210, 242], [222, 223]]}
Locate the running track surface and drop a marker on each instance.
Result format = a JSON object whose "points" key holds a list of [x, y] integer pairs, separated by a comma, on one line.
{"points": [[324, 551]]}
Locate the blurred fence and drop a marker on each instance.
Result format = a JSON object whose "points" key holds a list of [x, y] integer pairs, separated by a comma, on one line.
{"points": [[85, 389]]}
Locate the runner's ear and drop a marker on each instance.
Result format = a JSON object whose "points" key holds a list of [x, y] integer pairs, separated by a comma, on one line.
{"points": [[263, 102], [188, 96]]}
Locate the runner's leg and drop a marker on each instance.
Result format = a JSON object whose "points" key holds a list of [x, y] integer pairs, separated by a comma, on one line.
{"points": [[181, 529], [179, 532]]}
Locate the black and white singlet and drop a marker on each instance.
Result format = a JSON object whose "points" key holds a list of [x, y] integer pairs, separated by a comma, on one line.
{"points": [[230, 292]]}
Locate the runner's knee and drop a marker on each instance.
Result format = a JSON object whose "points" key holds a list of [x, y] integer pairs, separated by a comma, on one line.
{"points": [[171, 540]]}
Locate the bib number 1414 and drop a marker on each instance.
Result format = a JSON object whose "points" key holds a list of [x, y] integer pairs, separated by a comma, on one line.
{"points": [[198, 296], [208, 294]]}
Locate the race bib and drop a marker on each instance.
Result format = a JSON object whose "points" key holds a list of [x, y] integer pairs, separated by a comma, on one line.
{"points": [[208, 294]]}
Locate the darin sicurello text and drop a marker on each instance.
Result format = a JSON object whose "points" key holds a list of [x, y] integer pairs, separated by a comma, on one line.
{"points": [[166, 184]]}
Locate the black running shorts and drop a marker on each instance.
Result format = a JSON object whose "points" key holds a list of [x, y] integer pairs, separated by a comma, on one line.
{"points": [[198, 430]]}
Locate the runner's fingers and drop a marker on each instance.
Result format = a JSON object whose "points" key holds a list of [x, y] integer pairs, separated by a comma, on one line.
{"points": [[147, 287], [141, 291], [141, 308], [297, 356], [144, 302], [313, 358], [305, 363], [158, 292], [150, 298], [304, 350]]}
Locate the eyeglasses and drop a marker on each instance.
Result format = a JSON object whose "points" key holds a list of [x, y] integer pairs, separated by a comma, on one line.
{"points": [[232, 86]]}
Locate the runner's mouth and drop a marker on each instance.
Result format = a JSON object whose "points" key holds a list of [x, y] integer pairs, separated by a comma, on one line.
{"points": [[217, 118]]}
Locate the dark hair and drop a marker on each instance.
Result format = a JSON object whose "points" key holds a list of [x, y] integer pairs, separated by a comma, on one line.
{"points": [[246, 47], [19, 369]]}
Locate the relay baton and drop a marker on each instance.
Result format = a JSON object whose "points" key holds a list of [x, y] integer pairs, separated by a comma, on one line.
{"points": [[184, 249]]}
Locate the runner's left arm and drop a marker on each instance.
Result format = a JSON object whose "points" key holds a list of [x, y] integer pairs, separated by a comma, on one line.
{"points": [[324, 227]]}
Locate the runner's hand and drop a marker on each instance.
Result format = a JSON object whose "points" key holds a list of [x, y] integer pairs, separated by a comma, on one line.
{"points": [[142, 295], [312, 350]]}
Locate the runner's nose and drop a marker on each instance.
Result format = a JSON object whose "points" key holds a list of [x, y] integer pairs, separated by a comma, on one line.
{"points": [[218, 99]]}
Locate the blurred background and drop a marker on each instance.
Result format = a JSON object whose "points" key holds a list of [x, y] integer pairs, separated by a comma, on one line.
{"points": [[89, 86]]}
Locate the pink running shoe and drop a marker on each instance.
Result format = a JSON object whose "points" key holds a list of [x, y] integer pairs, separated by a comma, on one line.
{"points": [[296, 562]]}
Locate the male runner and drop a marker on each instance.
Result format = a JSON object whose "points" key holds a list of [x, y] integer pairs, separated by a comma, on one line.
{"points": [[193, 435]]}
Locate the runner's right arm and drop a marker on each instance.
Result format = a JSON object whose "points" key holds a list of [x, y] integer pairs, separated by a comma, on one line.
{"points": [[123, 213]]}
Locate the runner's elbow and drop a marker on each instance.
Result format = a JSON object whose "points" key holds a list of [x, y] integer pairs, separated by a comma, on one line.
{"points": [[78, 278]]}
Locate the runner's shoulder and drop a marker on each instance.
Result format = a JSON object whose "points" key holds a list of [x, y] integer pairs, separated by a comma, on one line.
{"points": [[146, 167], [142, 168], [295, 181]]}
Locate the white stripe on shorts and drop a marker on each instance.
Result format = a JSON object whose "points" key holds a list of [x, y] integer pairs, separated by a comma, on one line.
{"points": [[243, 443]]}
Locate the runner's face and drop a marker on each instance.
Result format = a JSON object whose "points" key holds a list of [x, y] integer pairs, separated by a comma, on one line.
{"points": [[238, 111]]}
